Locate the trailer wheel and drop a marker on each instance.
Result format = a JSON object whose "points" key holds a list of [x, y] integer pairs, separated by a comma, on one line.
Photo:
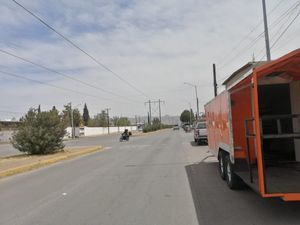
{"points": [[222, 169], [233, 181]]}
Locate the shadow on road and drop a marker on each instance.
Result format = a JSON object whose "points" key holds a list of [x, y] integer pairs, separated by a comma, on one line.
{"points": [[216, 204], [195, 144]]}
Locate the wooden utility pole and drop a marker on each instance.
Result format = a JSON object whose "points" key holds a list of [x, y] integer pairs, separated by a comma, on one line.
{"points": [[107, 111], [215, 80], [159, 107], [149, 113], [160, 101]]}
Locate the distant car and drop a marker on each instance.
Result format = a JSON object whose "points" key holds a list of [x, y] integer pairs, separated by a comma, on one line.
{"points": [[200, 133], [187, 128], [176, 127]]}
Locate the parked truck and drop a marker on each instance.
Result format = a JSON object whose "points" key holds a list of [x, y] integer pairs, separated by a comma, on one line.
{"points": [[254, 127]]}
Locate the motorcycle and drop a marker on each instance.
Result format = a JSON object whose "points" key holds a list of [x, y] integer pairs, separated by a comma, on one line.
{"points": [[124, 137]]}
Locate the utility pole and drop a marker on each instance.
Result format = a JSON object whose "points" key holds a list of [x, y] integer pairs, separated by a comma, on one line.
{"points": [[159, 107], [159, 111], [160, 101], [107, 111], [268, 53], [149, 113], [215, 80], [72, 120], [135, 120], [190, 113], [197, 103]]}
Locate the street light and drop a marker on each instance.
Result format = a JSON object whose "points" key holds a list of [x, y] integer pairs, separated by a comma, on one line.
{"points": [[197, 101]]}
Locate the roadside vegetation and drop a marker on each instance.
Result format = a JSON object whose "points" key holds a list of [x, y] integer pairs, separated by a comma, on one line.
{"points": [[187, 116], [156, 125], [40, 132]]}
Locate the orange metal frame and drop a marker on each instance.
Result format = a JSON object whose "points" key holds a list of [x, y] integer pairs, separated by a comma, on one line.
{"points": [[219, 121], [289, 63]]}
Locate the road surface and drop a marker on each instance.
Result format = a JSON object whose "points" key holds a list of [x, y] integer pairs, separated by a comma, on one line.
{"points": [[160, 179]]}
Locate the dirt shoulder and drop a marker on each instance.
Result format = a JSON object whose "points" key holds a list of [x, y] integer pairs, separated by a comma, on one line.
{"points": [[21, 163]]}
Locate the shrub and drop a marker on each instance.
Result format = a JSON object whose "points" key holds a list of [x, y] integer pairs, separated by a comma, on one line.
{"points": [[39, 133], [155, 127]]}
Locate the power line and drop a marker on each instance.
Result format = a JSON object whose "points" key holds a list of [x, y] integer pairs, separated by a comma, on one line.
{"points": [[222, 63], [273, 25], [286, 13], [51, 85], [79, 48], [61, 74], [284, 31]]}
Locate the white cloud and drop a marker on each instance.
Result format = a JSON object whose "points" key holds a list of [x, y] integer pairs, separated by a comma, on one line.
{"points": [[155, 45]]}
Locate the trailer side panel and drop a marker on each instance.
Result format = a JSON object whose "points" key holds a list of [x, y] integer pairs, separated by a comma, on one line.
{"points": [[218, 125]]}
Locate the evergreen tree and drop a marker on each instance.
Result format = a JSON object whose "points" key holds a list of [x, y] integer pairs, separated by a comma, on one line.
{"points": [[39, 133], [86, 116]]}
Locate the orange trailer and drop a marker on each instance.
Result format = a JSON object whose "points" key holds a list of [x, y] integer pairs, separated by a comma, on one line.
{"points": [[254, 127]]}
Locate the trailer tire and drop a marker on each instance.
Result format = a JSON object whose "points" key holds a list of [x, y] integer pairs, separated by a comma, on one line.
{"points": [[233, 180], [222, 169]]}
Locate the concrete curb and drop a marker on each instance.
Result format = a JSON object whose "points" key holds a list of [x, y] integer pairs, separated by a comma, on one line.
{"points": [[45, 162]]}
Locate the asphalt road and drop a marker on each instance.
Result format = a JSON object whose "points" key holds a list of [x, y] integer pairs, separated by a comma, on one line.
{"points": [[160, 179]]}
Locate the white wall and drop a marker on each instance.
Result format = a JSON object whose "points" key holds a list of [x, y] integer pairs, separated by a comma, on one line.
{"points": [[5, 136], [295, 102], [87, 131], [90, 131]]}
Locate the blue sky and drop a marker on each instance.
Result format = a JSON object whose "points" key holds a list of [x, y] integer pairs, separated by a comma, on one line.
{"points": [[155, 45]]}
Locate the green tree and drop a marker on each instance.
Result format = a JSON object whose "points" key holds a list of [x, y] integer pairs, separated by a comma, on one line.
{"points": [[66, 114], [115, 120], [123, 121], [156, 121], [85, 115], [100, 120], [53, 108], [39, 133], [187, 116]]}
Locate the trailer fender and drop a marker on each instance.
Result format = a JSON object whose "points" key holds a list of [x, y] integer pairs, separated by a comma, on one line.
{"points": [[227, 148]]}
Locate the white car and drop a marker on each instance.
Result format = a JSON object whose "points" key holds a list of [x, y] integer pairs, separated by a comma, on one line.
{"points": [[200, 133]]}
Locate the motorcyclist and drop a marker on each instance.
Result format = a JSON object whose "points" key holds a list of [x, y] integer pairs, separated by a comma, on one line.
{"points": [[125, 135]]}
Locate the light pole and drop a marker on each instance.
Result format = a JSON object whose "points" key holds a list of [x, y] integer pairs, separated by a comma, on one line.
{"points": [[72, 119], [107, 111], [190, 113], [197, 101], [268, 53]]}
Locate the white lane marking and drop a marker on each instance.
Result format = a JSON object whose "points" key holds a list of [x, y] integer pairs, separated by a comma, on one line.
{"points": [[64, 194]]}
